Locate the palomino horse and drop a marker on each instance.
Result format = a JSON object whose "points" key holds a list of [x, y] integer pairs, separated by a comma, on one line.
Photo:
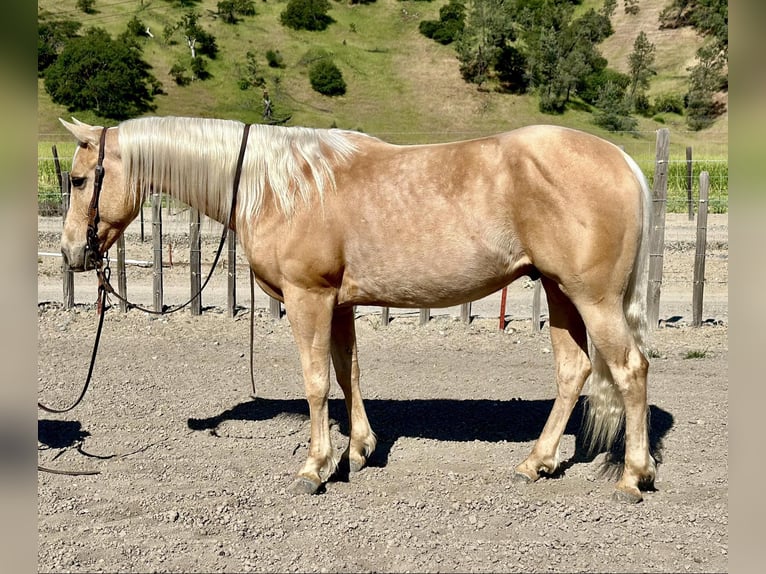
{"points": [[330, 219]]}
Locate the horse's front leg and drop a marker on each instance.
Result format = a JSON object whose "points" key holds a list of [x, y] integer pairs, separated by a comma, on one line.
{"points": [[362, 440], [310, 314]]}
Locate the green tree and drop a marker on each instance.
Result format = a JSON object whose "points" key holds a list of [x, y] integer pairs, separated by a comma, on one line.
{"points": [[613, 109], [511, 68], [229, 10], [252, 76], [52, 37], [245, 7], [178, 73], [705, 80], [199, 68], [546, 71], [135, 28], [87, 6], [183, 3], [450, 24], [487, 28], [709, 17], [95, 72], [593, 83], [562, 50], [197, 38], [640, 62], [306, 15]]}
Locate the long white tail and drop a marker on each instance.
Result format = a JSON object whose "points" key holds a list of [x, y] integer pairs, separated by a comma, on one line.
{"points": [[605, 411]]}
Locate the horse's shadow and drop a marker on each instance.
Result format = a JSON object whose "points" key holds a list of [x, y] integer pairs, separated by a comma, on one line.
{"points": [[514, 420], [60, 434]]}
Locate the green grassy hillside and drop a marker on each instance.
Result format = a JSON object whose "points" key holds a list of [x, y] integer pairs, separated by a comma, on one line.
{"points": [[402, 87]]}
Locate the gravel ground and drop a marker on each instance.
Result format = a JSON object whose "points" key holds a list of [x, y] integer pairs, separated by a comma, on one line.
{"points": [[193, 470]]}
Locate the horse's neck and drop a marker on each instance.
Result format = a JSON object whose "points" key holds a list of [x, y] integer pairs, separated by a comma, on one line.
{"points": [[203, 204], [204, 201]]}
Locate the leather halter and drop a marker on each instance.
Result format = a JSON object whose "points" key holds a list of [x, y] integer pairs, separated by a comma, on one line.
{"points": [[92, 247]]}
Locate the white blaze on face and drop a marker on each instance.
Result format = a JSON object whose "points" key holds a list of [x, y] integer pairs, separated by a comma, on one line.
{"points": [[71, 248]]}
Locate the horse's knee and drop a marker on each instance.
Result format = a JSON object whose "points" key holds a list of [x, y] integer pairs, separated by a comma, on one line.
{"points": [[571, 376]]}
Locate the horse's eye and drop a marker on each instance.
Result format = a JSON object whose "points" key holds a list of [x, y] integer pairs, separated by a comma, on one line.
{"points": [[77, 181]]}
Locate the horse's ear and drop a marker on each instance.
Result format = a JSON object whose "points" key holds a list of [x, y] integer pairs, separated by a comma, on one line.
{"points": [[85, 134]]}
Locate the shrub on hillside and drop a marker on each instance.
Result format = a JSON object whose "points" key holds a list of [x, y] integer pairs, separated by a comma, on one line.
{"points": [[326, 78], [199, 69], [449, 26], [642, 106], [613, 109], [669, 103], [593, 84], [275, 59], [178, 73], [306, 15]]}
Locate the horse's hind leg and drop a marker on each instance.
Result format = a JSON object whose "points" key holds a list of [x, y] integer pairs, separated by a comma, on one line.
{"points": [[613, 340], [569, 341], [362, 440]]}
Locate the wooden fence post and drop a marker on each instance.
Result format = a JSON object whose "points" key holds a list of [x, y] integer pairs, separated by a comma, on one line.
{"points": [[657, 233], [689, 181], [142, 221], [122, 278], [699, 255], [275, 307], [195, 261], [503, 298], [57, 165], [536, 307], [425, 315], [231, 301], [384, 316], [157, 247], [68, 274], [465, 312]]}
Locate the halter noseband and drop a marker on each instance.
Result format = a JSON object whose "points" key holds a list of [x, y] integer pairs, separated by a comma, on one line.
{"points": [[92, 247]]}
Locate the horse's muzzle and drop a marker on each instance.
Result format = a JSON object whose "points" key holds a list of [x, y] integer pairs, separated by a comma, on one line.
{"points": [[82, 259]]}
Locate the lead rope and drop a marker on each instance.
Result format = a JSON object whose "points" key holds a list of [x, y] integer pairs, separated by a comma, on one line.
{"points": [[252, 329], [101, 313], [103, 275]]}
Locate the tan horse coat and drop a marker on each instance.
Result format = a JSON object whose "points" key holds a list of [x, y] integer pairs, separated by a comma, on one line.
{"points": [[331, 219]]}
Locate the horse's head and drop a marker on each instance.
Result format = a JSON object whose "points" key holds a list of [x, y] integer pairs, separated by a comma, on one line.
{"points": [[112, 209]]}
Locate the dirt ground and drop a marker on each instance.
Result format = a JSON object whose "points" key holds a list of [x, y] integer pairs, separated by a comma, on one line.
{"points": [[193, 470]]}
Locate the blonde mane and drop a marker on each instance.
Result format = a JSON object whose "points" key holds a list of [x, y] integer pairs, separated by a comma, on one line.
{"points": [[194, 160]]}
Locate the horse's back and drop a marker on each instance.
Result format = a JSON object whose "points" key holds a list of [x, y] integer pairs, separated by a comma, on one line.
{"points": [[451, 222]]}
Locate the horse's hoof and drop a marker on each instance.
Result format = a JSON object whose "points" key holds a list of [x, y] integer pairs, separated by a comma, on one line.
{"points": [[303, 485], [627, 497], [355, 466], [521, 478]]}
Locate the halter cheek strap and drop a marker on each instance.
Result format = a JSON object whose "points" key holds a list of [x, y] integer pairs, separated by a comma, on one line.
{"points": [[92, 243]]}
